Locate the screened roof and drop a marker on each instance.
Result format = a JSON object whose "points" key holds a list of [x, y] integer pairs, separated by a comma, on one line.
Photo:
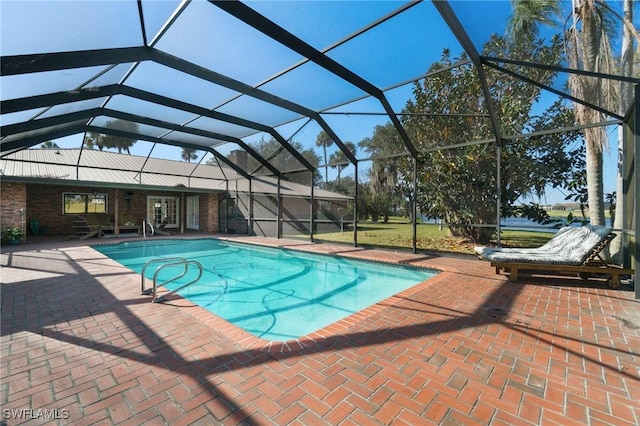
{"points": [[220, 76]]}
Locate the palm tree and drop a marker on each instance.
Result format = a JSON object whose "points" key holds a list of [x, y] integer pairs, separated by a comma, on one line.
{"points": [[527, 15], [339, 160], [626, 95], [588, 48], [587, 36], [119, 142], [101, 140], [49, 144], [324, 141], [189, 154], [92, 140]]}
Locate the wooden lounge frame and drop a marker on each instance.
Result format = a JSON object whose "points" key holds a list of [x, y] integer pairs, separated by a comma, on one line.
{"points": [[120, 228], [161, 227], [82, 229], [593, 265]]}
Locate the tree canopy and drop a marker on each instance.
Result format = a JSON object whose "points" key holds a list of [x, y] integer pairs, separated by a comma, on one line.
{"points": [[189, 154], [590, 29], [384, 192], [459, 184], [324, 140], [271, 150], [101, 141]]}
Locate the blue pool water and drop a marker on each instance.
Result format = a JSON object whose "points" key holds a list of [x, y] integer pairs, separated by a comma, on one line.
{"points": [[275, 294]]}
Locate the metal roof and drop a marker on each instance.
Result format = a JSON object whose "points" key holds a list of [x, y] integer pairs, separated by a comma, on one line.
{"points": [[113, 169], [217, 76]]}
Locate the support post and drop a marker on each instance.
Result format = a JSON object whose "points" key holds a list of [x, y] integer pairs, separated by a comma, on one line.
{"points": [[116, 218], [226, 208], [311, 209], [498, 191], [183, 211], [636, 190], [278, 210], [250, 222], [414, 205], [355, 206], [236, 209]]}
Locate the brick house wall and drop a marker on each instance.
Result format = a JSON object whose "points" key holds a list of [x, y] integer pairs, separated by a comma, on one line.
{"points": [[43, 203], [13, 206], [209, 212], [45, 206]]}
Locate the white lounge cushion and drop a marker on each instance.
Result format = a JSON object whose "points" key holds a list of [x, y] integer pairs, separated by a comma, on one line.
{"points": [[570, 246]]}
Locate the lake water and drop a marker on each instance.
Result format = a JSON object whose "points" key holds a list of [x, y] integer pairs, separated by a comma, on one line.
{"points": [[524, 224]]}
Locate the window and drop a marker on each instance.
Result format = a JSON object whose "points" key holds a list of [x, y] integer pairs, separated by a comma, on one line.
{"points": [[74, 203]]}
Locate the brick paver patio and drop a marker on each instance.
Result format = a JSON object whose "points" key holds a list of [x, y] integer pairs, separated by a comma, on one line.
{"points": [[468, 347]]}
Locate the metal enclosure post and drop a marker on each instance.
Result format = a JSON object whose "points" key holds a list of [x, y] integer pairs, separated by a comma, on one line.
{"points": [[414, 205], [116, 216], [226, 207], [636, 189], [355, 206], [183, 211], [236, 209], [311, 209], [250, 222], [498, 191], [278, 210]]}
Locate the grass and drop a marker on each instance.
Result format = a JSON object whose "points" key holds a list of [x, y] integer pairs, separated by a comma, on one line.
{"points": [[398, 234]]}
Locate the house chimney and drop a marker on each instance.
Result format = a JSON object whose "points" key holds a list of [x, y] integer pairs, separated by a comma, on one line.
{"points": [[239, 158]]}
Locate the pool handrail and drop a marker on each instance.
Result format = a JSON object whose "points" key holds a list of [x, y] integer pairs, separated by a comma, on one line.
{"points": [[146, 222], [186, 264], [162, 259]]}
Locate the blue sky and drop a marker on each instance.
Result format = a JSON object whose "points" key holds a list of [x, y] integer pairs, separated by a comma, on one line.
{"points": [[391, 54]]}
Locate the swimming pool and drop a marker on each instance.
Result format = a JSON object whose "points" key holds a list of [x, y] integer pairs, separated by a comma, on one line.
{"points": [[274, 294]]}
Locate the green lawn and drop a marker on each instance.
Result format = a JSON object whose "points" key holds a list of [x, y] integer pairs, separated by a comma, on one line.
{"points": [[397, 233]]}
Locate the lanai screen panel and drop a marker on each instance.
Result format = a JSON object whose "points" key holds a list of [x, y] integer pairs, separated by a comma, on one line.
{"points": [[213, 78], [224, 65], [128, 126], [156, 15], [20, 116], [61, 109], [447, 108], [272, 149], [257, 110], [323, 24], [356, 122], [519, 61], [211, 38], [175, 84], [25, 85], [131, 105], [220, 126], [410, 41], [65, 26], [493, 15]]}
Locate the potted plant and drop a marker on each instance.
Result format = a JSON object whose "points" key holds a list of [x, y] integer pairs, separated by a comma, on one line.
{"points": [[13, 235]]}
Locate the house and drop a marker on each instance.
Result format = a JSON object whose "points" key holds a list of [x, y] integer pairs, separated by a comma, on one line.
{"points": [[43, 188]]}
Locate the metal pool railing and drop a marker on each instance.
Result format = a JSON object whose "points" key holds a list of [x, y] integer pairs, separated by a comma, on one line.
{"points": [[168, 261]]}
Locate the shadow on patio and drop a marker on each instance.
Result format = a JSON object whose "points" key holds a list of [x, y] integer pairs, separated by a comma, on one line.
{"points": [[465, 346]]}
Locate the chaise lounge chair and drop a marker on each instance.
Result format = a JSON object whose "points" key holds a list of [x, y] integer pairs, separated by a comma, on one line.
{"points": [[573, 250], [82, 229], [161, 227]]}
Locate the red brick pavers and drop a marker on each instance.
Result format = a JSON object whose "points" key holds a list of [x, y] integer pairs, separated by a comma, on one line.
{"points": [[80, 343]]}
